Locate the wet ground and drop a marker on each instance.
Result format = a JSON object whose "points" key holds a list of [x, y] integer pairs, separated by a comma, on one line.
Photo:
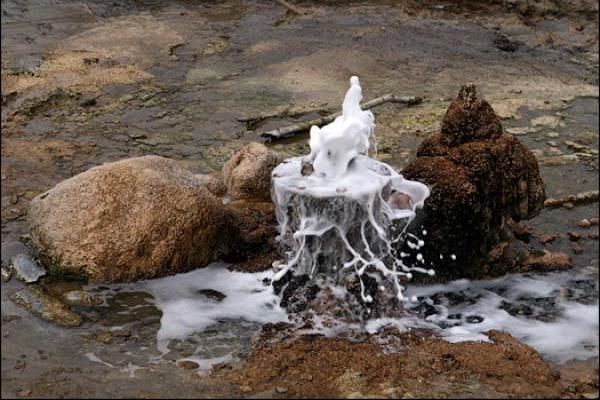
{"points": [[90, 82]]}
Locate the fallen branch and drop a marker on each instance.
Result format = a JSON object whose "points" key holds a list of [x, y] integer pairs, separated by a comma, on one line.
{"points": [[290, 130], [579, 198], [291, 7]]}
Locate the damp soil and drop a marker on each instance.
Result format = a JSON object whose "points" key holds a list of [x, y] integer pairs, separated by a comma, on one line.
{"points": [[85, 83]]}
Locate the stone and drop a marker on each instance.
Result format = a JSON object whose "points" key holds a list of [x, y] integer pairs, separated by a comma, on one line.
{"points": [[26, 269], [281, 389], [549, 121], [594, 221], [5, 274], [553, 135], [214, 183], [133, 219], [549, 261], [247, 173], [104, 337], [81, 298], [574, 236], [481, 180], [584, 223], [545, 239], [568, 205], [187, 364], [46, 307]]}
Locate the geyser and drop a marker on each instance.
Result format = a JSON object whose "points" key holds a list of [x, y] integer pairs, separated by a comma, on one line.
{"points": [[341, 213]]}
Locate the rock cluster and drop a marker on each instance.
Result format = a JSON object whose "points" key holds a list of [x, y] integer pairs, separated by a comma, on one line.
{"points": [[146, 217], [482, 180]]}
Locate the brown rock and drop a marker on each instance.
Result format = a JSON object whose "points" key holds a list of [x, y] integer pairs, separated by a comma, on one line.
{"points": [[132, 219], [250, 230], [187, 364], [214, 183], [584, 223], [574, 236], [568, 205], [481, 181], [594, 221], [550, 261], [247, 174], [545, 239]]}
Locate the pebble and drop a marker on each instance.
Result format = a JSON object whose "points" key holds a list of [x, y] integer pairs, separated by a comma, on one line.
{"points": [[553, 135], [245, 389], [5, 275], [189, 364], [104, 337], [553, 151], [26, 268], [81, 298], [553, 143], [574, 236], [584, 223], [281, 389], [576, 146], [34, 300], [544, 239], [24, 392], [568, 205], [594, 221]]}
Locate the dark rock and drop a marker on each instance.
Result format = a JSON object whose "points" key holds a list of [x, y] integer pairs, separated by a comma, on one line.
{"points": [[482, 181], [574, 236], [504, 43], [212, 294]]}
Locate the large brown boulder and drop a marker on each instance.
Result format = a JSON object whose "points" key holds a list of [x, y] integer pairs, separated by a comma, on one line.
{"points": [[128, 220], [482, 180], [247, 173]]}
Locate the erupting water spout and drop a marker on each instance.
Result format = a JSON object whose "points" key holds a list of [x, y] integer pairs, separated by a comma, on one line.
{"points": [[342, 213]]}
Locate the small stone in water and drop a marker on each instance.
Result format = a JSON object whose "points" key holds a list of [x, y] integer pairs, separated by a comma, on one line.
{"points": [[245, 389], [281, 389], [104, 337], [594, 221], [574, 236], [212, 294], [568, 205], [474, 319], [544, 239], [26, 268], [584, 223], [188, 364]]}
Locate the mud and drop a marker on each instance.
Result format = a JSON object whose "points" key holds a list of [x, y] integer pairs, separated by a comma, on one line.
{"points": [[85, 83]]}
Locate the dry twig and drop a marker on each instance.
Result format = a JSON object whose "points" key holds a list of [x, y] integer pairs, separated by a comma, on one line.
{"points": [[290, 130]]}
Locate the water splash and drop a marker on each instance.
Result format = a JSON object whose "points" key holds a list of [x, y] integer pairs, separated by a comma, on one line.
{"points": [[341, 212]]}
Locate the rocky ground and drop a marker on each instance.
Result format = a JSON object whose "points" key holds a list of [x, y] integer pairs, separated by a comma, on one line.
{"points": [[85, 83]]}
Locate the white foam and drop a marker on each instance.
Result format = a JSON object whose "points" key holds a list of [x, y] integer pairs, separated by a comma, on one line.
{"points": [[573, 334], [185, 311]]}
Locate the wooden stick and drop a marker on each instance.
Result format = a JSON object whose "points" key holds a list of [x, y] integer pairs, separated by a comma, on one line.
{"points": [[291, 7], [291, 130]]}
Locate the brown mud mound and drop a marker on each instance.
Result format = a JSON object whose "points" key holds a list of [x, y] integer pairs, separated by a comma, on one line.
{"points": [[482, 180], [393, 364]]}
